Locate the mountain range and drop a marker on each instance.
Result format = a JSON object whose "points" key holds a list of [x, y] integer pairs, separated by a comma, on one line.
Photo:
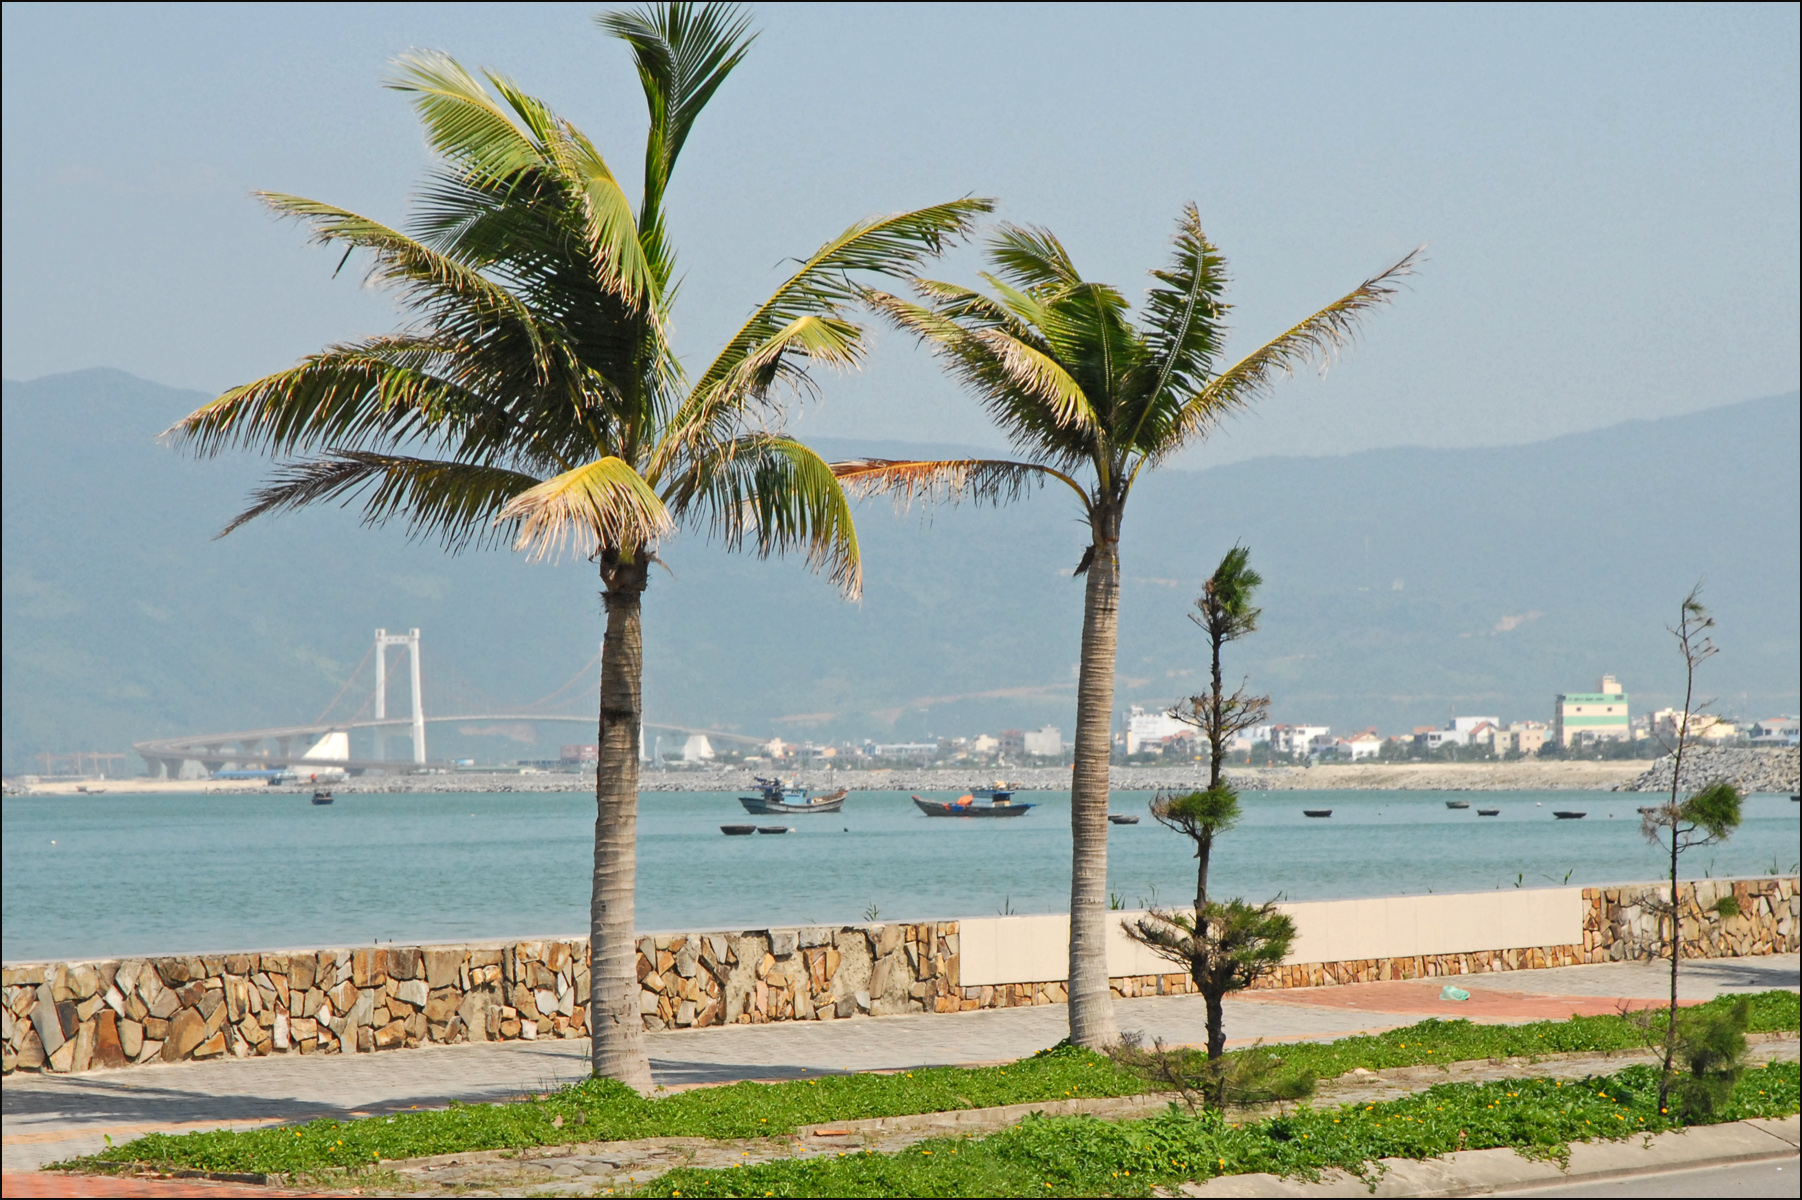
{"points": [[1403, 586]]}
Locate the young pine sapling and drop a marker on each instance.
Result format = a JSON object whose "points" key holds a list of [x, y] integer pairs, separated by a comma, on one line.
{"points": [[1704, 818]]}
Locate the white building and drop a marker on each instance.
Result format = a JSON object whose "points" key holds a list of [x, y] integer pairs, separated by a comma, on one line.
{"points": [[1468, 725], [1295, 739], [1357, 746], [697, 748], [1148, 729], [1432, 739], [1046, 742]]}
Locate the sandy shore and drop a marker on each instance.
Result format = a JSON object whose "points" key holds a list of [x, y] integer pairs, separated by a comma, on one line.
{"points": [[1516, 776]]}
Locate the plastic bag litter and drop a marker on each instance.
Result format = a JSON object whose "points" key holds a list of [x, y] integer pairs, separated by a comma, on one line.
{"points": [[1453, 993]]}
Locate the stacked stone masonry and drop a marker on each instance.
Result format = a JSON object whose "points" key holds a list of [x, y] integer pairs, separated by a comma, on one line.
{"points": [[70, 1017]]}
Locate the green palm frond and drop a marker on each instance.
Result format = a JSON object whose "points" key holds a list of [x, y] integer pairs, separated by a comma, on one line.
{"points": [[353, 395], [458, 503], [463, 123], [1315, 339], [1032, 259], [779, 496], [683, 53]]}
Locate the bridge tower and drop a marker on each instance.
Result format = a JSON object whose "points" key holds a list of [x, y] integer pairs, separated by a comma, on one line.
{"points": [[383, 640]]}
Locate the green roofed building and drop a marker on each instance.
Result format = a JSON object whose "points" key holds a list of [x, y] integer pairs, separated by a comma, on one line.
{"points": [[1591, 716]]}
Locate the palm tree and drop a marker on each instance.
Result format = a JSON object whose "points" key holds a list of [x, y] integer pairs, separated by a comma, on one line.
{"points": [[1092, 400], [536, 398]]}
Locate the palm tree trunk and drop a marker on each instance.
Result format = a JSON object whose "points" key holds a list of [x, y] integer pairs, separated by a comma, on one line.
{"points": [[615, 1025], [1091, 1002]]}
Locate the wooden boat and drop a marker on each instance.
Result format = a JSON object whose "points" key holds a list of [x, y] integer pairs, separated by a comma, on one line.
{"points": [[322, 796], [966, 806], [737, 830], [772, 798], [1316, 812], [772, 829], [1488, 812], [1457, 804], [1123, 818], [1563, 815]]}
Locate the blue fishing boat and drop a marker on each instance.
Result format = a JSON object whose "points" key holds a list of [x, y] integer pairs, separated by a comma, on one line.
{"points": [[966, 806], [773, 797]]}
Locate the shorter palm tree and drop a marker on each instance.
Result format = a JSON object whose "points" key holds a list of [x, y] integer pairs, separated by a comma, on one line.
{"points": [[537, 398], [1093, 400]]}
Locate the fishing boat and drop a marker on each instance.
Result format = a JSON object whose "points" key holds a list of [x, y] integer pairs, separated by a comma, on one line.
{"points": [[1564, 815], [738, 830], [966, 806], [1123, 818], [773, 797], [772, 829], [1316, 812], [999, 792], [1457, 804], [322, 796], [1488, 812]]}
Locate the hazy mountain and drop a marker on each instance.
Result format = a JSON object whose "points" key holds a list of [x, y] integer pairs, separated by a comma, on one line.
{"points": [[1402, 585]]}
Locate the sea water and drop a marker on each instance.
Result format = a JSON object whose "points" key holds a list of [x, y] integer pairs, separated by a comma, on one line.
{"points": [[114, 875]]}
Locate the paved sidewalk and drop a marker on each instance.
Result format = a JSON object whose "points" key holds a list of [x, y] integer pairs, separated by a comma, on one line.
{"points": [[54, 1117]]}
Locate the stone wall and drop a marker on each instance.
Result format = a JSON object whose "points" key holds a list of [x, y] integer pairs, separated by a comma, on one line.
{"points": [[69, 1017]]}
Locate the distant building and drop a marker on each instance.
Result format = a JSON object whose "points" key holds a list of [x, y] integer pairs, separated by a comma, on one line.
{"points": [[1591, 716], [1468, 725], [915, 750], [579, 754], [1351, 749], [1666, 722], [984, 744], [1046, 742], [697, 748], [777, 748], [1153, 728], [1773, 731], [1295, 739], [1432, 739]]}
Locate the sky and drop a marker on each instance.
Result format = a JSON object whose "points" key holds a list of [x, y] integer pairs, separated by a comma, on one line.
{"points": [[1608, 195]]}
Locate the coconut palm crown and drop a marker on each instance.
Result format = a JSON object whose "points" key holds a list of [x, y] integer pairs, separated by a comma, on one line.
{"points": [[1093, 399], [535, 397]]}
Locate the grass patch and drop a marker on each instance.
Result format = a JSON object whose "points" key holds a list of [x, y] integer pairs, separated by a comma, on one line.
{"points": [[1082, 1156], [1432, 1042], [600, 1110]]}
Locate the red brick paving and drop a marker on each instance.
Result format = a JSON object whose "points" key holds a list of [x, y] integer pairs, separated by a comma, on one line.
{"points": [[56, 1183], [1422, 996]]}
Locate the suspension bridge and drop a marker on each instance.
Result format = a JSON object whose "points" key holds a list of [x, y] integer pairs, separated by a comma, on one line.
{"points": [[323, 745]]}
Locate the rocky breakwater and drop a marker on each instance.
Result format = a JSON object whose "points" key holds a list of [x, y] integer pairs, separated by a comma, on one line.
{"points": [[1628, 923], [1750, 770]]}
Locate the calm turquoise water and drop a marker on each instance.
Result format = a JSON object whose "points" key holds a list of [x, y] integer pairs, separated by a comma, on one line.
{"points": [[134, 875]]}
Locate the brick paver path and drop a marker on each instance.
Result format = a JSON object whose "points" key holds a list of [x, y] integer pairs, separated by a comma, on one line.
{"points": [[47, 1118], [33, 1184]]}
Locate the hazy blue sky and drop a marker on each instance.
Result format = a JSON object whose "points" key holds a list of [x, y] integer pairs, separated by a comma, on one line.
{"points": [[1609, 195]]}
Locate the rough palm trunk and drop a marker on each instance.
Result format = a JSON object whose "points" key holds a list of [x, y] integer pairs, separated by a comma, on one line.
{"points": [[615, 1025], [1091, 1003], [1216, 726]]}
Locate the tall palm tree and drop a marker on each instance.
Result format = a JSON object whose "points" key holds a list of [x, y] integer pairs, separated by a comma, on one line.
{"points": [[1092, 400], [535, 396]]}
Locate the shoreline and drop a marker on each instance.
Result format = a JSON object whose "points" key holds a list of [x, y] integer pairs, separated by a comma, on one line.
{"points": [[1474, 777]]}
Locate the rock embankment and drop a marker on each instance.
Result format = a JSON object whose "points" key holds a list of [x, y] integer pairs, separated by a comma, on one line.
{"points": [[1761, 770]]}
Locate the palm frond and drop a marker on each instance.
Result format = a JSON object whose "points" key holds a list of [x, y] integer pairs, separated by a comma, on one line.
{"points": [[1320, 336], [601, 503], [463, 123], [683, 53], [1032, 370], [780, 496], [976, 480], [1183, 315], [360, 394], [1031, 258], [426, 277], [458, 503], [891, 245]]}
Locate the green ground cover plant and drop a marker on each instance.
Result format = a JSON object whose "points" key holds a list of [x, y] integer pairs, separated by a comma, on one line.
{"points": [[1083, 1156], [603, 1110]]}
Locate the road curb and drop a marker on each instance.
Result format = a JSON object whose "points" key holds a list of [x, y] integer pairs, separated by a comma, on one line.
{"points": [[1483, 1172]]}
